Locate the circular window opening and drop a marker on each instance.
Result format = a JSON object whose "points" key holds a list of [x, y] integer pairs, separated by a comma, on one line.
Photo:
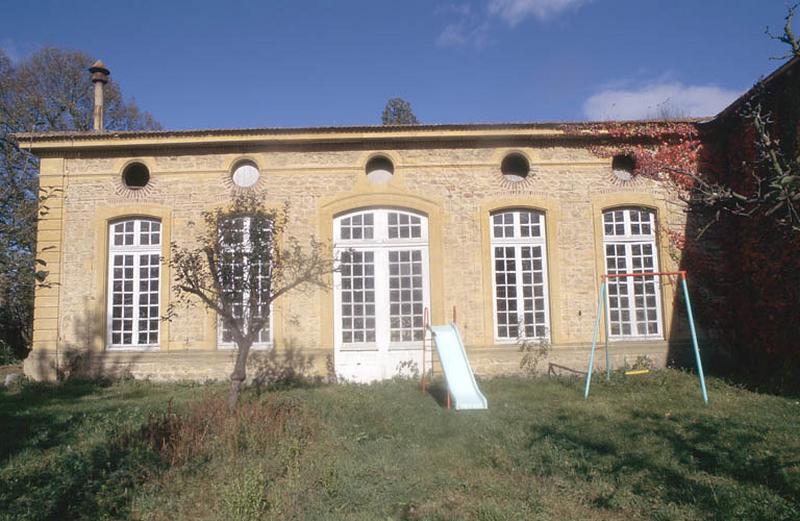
{"points": [[622, 166], [245, 174], [515, 167], [135, 176], [379, 170]]}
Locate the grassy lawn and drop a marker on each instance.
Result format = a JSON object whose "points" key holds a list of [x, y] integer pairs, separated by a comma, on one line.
{"points": [[640, 448]]}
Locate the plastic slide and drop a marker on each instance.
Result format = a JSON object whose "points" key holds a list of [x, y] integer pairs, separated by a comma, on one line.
{"points": [[457, 371]]}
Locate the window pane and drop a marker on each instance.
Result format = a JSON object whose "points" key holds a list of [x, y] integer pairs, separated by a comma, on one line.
{"points": [[505, 287], [404, 226], [243, 271], [406, 302], [122, 296], [377, 276], [358, 296], [357, 227], [633, 305], [134, 282], [520, 281]]}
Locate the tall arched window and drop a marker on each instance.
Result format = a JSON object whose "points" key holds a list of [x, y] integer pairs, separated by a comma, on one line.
{"points": [[634, 305], [519, 260], [382, 286], [239, 265], [134, 275]]}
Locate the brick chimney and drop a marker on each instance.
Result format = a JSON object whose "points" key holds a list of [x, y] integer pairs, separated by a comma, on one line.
{"points": [[99, 78]]}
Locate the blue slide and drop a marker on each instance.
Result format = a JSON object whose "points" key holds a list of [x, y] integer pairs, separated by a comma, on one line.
{"points": [[457, 371]]}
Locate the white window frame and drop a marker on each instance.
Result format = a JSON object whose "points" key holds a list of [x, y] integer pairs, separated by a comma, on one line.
{"points": [[259, 345], [136, 250], [628, 239], [380, 245], [518, 242]]}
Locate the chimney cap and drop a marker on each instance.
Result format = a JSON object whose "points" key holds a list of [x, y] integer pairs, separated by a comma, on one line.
{"points": [[99, 72]]}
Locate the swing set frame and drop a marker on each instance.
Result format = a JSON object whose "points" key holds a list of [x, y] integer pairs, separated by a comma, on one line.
{"points": [[602, 310]]}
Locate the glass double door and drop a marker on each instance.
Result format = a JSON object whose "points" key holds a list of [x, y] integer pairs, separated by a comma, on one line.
{"points": [[381, 291]]}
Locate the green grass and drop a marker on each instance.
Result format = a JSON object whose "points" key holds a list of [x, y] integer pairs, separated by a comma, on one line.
{"points": [[639, 448]]}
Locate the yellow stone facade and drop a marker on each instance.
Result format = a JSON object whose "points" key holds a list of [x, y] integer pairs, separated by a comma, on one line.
{"points": [[452, 175]]}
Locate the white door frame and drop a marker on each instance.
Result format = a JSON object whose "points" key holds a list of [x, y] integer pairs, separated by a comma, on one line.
{"points": [[367, 361]]}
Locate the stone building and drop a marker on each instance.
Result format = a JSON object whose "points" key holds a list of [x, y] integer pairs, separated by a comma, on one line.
{"points": [[495, 226]]}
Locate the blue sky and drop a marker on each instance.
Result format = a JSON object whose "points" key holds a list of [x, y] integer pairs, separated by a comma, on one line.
{"points": [[229, 63]]}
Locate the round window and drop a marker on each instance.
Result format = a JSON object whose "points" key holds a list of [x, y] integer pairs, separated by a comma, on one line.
{"points": [[135, 176], [245, 175], [623, 166], [515, 167], [379, 170]]}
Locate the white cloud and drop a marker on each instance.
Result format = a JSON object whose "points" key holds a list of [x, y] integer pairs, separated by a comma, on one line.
{"points": [[470, 26], [463, 33], [658, 100], [467, 27], [514, 11]]}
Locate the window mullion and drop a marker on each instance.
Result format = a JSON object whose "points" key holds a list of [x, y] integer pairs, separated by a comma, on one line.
{"points": [[246, 274], [381, 230], [545, 283], [627, 220], [520, 291], [136, 298], [382, 300], [517, 228], [110, 306], [626, 247], [493, 247], [137, 241]]}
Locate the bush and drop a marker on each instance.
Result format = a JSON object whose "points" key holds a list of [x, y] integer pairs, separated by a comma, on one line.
{"points": [[7, 354]]}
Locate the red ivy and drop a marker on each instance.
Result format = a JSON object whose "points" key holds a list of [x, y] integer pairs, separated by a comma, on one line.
{"points": [[666, 151]]}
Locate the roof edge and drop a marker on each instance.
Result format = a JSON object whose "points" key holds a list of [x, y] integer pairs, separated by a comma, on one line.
{"points": [[53, 141], [736, 105]]}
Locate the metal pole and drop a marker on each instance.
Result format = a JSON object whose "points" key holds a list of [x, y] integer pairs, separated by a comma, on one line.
{"points": [[594, 340], [608, 362], [424, 337], [694, 338]]}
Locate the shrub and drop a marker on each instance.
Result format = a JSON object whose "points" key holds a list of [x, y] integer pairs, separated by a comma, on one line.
{"points": [[7, 355], [533, 350]]}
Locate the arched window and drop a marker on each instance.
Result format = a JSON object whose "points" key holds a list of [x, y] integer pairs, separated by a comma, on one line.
{"points": [[519, 261], [382, 286], [634, 306], [134, 275], [245, 273]]}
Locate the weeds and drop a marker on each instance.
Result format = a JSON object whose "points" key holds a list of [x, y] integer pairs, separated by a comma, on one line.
{"points": [[533, 350], [637, 449]]}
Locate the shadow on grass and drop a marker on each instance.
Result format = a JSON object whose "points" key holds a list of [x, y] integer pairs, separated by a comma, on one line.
{"points": [[286, 368], [437, 389], [30, 415], [30, 418], [88, 480], [716, 466]]}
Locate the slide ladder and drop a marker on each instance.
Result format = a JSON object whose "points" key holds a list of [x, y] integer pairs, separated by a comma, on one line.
{"points": [[461, 382]]}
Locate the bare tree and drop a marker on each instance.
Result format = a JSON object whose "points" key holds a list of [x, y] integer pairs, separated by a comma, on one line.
{"points": [[240, 264], [788, 36], [774, 190]]}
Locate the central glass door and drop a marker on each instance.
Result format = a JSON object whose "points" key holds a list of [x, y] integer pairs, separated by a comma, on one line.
{"points": [[380, 292]]}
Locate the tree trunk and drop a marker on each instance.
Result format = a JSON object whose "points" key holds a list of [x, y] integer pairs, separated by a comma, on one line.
{"points": [[239, 374]]}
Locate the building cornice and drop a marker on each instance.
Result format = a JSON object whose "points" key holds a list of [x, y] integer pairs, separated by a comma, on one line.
{"points": [[55, 142]]}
